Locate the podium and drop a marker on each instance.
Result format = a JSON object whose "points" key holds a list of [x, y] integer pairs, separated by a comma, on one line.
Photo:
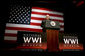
{"points": [[52, 31]]}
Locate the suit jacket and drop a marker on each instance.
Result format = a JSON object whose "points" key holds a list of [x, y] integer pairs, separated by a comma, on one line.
{"points": [[43, 25]]}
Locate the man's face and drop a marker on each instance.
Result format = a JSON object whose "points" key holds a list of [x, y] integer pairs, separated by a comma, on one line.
{"points": [[47, 17]]}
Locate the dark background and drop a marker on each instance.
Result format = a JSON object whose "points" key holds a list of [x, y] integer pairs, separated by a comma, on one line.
{"points": [[73, 16]]}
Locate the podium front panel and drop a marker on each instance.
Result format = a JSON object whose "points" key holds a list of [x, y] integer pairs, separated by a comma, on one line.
{"points": [[52, 40]]}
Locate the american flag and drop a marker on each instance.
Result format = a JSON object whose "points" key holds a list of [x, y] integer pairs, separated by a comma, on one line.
{"points": [[23, 18]]}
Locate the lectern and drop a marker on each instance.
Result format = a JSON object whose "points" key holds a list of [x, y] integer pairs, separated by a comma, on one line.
{"points": [[52, 32]]}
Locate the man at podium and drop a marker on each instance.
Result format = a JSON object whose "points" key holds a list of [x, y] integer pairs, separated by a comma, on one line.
{"points": [[49, 24], [51, 28], [43, 22]]}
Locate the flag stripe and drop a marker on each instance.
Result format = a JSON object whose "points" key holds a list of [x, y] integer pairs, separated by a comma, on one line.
{"points": [[35, 18], [26, 26], [41, 8], [10, 38], [61, 29], [40, 13], [61, 21], [36, 21], [62, 26], [10, 41], [13, 35], [26, 29], [23, 26], [39, 22], [23, 29], [44, 10], [11, 31], [44, 16]]}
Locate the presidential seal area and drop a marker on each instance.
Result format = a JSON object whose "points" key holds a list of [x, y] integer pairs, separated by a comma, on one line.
{"points": [[53, 23]]}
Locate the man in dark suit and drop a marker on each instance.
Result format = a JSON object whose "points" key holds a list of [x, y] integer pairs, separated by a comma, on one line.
{"points": [[42, 24]]}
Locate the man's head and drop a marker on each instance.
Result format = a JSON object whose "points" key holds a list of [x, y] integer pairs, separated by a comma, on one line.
{"points": [[47, 17]]}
